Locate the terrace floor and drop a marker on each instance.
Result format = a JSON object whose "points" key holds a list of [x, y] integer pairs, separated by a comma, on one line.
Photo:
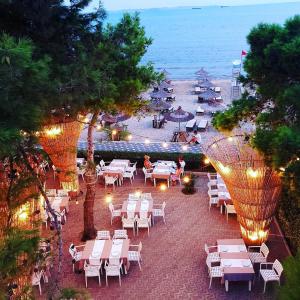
{"points": [[173, 265]]}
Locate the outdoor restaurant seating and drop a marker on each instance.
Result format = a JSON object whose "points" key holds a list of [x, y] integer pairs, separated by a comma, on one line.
{"points": [[92, 270], [229, 209], [120, 234], [159, 211], [213, 198], [109, 180], [273, 274], [135, 255], [213, 256], [129, 222], [113, 268], [213, 272], [261, 256], [143, 222], [129, 174], [115, 211], [75, 254], [103, 235], [147, 174]]}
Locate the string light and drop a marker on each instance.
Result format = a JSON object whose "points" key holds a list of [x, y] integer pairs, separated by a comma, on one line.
{"points": [[230, 139], [129, 137], [186, 179], [114, 132], [86, 120], [23, 215], [165, 144], [252, 173], [184, 147], [99, 127], [52, 132], [282, 169], [147, 141], [138, 193], [163, 187], [108, 198], [206, 161]]}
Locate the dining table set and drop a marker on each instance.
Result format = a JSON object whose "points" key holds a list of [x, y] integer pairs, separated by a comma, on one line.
{"points": [[163, 170], [59, 200], [116, 168], [235, 262], [223, 193]]}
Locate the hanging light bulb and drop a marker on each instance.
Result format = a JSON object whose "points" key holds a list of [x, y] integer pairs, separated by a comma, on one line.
{"points": [[163, 187]]}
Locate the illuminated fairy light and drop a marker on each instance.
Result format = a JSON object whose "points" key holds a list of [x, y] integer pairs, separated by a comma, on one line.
{"points": [[186, 179], [230, 139], [184, 147], [108, 198], [282, 169], [147, 141], [138, 193], [224, 169], [99, 127], [114, 132], [214, 146], [129, 137], [165, 144], [206, 161], [86, 120], [23, 215], [252, 173], [297, 158], [163, 187], [52, 132]]}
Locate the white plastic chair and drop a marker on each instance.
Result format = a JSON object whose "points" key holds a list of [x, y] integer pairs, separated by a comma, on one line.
{"points": [[273, 274], [36, 279], [133, 197], [212, 176], [115, 211], [92, 270], [159, 211], [147, 174], [143, 223], [76, 255], [120, 234], [62, 193], [103, 235], [113, 268], [213, 272], [182, 165], [146, 196], [81, 172], [229, 209], [135, 255], [213, 256], [110, 180], [261, 256], [132, 168], [51, 192], [129, 223], [129, 174], [213, 198]]}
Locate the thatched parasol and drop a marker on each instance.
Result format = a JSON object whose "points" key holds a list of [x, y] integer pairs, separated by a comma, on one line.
{"points": [[179, 115], [254, 187], [161, 94], [205, 84], [208, 95], [114, 118], [202, 73]]}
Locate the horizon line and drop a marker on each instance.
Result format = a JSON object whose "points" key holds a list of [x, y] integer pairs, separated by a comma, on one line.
{"points": [[194, 6]]}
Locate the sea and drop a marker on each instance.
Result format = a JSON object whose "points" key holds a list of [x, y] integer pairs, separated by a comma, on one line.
{"points": [[188, 38]]}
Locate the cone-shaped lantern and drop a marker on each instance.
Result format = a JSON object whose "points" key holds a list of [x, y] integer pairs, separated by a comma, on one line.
{"points": [[60, 142], [254, 187]]}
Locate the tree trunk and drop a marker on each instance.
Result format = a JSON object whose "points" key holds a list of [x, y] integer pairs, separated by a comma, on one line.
{"points": [[89, 231]]}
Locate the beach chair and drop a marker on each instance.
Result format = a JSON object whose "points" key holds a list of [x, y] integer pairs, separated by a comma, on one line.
{"points": [[199, 111], [190, 125], [202, 125]]}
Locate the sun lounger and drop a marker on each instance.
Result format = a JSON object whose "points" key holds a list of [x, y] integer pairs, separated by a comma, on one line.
{"points": [[217, 89], [202, 125], [190, 125], [199, 110], [197, 90]]}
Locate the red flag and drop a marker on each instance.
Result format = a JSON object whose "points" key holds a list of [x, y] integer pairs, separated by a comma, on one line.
{"points": [[244, 53]]}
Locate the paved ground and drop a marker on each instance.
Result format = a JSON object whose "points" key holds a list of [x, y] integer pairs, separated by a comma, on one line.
{"points": [[173, 264]]}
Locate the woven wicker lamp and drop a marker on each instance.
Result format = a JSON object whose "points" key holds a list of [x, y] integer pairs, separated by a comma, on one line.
{"points": [[254, 187], [60, 142]]}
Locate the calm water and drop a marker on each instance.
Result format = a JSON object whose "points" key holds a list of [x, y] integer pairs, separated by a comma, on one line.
{"points": [[186, 39]]}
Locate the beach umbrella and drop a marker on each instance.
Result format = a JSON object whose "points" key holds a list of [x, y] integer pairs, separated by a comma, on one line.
{"points": [[202, 73], [165, 72], [161, 94], [206, 84], [164, 85], [114, 118], [208, 95], [179, 115], [159, 105]]}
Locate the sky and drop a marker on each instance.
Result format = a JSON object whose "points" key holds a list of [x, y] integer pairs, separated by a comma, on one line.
{"points": [[140, 4]]}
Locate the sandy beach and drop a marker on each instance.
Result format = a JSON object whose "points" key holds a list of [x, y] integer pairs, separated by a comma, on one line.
{"points": [[142, 129]]}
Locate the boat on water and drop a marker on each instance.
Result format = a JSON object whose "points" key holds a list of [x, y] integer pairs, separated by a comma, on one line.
{"points": [[196, 7]]}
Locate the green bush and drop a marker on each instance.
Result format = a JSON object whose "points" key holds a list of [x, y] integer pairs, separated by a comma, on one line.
{"points": [[193, 161]]}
